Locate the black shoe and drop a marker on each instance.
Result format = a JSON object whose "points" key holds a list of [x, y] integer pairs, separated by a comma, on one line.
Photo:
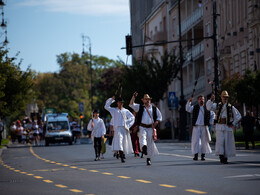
{"points": [[221, 157], [96, 159], [202, 156], [144, 150], [142, 155], [195, 156], [121, 154], [148, 161], [225, 161]]}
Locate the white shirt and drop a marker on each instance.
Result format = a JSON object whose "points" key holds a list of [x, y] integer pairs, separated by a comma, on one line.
{"points": [[223, 114], [99, 128], [200, 119], [146, 119], [120, 118]]}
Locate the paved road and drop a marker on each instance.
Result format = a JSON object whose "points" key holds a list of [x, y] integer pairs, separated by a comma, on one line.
{"points": [[64, 169]]}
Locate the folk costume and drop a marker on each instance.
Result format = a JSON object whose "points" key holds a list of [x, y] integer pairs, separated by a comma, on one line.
{"points": [[201, 119], [98, 131], [226, 117], [146, 117], [122, 121]]}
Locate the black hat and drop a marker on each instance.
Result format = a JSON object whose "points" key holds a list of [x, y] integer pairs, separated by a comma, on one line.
{"points": [[96, 111], [120, 100]]}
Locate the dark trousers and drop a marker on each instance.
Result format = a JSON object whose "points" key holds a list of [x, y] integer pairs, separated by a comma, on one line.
{"points": [[249, 136], [97, 145]]}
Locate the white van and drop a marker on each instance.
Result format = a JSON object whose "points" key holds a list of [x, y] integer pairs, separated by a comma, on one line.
{"points": [[58, 129]]}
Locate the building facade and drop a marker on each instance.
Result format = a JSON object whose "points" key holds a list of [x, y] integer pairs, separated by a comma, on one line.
{"points": [[237, 36]]}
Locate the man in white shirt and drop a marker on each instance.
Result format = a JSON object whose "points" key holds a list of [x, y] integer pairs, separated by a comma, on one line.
{"points": [[123, 119], [97, 126], [226, 118], [148, 117], [201, 119]]}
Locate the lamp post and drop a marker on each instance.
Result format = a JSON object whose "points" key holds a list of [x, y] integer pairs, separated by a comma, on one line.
{"points": [[84, 37], [182, 100]]}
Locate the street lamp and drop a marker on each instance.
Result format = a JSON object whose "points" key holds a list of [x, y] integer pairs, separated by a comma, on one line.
{"points": [[84, 37], [182, 100]]}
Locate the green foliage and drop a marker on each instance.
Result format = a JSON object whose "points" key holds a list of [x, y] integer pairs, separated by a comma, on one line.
{"points": [[15, 87], [151, 77]]}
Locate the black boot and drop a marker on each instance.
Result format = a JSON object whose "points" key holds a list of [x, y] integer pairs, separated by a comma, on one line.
{"points": [[148, 161], [144, 150], [225, 160], [121, 154], [202, 156], [195, 156], [221, 157]]}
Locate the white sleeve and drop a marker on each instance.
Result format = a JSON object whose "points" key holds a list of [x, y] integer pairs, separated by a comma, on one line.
{"points": [[103, 127], [236, 114], [130, 119], [189, 107], [89, 125], [212, 117], [135, 107], [108, 107], [211, 105]]}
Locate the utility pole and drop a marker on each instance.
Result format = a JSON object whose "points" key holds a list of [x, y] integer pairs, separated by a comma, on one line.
{"points": [[216, 79], [183, 119]]}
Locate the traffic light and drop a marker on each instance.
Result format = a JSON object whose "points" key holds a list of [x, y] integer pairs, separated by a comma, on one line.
{"points": [[81, 116], [128, 40]]}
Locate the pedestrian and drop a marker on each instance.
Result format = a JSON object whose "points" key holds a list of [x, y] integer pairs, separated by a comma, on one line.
{"points": [[123, 119], [19, 131], [13, 131], [148, 117], [134, 136], [97, 127], [201, 119], [227, 116], [248, 123]]}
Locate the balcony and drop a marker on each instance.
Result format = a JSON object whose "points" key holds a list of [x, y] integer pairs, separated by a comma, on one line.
{"points": [[160, 36], [191, 21], [195, 52]]}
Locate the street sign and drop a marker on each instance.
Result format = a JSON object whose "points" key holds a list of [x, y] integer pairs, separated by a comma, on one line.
{"points": [[81, 107], [172, 100]]}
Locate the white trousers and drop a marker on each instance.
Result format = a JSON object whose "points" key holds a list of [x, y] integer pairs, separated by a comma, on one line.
{"points": [[225, 143], [200, 140], [122, 140], [146, 138]]}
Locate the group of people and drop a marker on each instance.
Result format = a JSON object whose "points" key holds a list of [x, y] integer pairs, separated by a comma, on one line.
{"points": [[224, 115], [143, 124], [27, 131]]}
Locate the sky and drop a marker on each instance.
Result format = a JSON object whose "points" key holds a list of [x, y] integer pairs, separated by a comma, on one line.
{"points": [[39, 30]]}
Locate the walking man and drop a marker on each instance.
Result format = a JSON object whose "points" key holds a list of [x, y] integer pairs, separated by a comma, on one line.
{"points": [[148, 117], [226, 118], [201, 119], [97, 126], [123, 119], [248, 123]]}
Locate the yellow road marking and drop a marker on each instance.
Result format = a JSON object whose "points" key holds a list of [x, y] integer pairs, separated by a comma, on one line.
{"points": [[105, 173], [75, 190], [94, 171], [47, 160], [61, 186], [23, 172], [53, 162], [82, 169], [30, 174], [58, 163], [12, 168], [167, 186], [65, 165], [73, 167], [38, 177], [195, 191], [48, 181], [143, 181], [17, 170], [124, 177]]}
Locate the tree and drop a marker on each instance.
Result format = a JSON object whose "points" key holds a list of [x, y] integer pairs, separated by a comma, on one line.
{"points": [[150, 77], [15, 87]]}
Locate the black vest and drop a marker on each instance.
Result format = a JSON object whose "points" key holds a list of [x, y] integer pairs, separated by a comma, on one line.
{"points": [[195, 115], [230, 117], [140, 114]]}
